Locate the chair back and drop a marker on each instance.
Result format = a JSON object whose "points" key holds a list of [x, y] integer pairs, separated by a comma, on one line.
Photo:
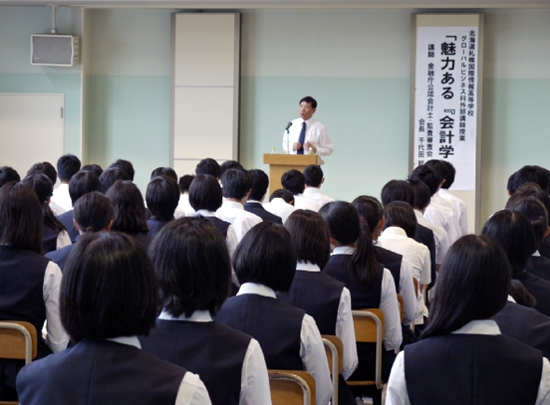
{"points": [[335, 356], [18, 340], [401, 306], [291, 387]]}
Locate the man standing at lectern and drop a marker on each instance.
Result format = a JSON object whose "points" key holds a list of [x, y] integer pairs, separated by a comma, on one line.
{"points": [[306, 135]]}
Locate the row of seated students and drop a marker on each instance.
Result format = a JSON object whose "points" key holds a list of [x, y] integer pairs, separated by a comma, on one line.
{"points": [[191, 258]]}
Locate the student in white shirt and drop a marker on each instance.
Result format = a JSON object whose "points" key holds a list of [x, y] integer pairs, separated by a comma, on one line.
{"points": [[281, 203], [293, 181], [67, 166], [184, 208], [313, 177], [449, 172], [48, 169]]}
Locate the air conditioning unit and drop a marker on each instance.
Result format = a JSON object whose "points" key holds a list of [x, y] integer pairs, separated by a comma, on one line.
{"points": [[54, 50]]}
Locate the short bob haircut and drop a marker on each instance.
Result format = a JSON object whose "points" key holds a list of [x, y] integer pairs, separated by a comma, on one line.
{"points": [[125, 165], [515, 234], [534, 210], [93, 212], [205, 193], [293, 181], [401, 215], [8, 174], [284, 194], [236, 183], [260, 183], [208, 166], [109, 288], [81, 183], [313, 175], [192, 264], [397, 190], [428, 175], [21, 218], [266, 256], [46, 168], [129, 207], [310, 236], [110, 177], [370, 209], [473, 284], [67, 166], [162, 196], [164, 171]]}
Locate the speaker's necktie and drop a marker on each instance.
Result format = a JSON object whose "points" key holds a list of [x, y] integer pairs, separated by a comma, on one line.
{"points": [[302, 139]]}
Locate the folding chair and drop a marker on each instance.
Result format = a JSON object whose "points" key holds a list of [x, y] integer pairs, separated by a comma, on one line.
{"points": [[291, 387], [335, 356]]}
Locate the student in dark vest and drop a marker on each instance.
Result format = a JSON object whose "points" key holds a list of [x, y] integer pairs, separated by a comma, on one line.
{"points": [[93, 212], [462, 358], [162, 198], [130, 216], [265, 262], [81, 183], [513, 231], [327, 300], [353, 263], [30, 282], [55, 234], [260, 183], [194, 273], [47, 169]]}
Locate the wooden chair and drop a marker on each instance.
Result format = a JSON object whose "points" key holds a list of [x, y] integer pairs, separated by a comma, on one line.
{"points": [[401, 306], [335, 356], [369, 328], [291, 387], [18, 341]]}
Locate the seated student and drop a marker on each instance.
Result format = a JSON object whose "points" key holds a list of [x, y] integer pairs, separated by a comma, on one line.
{"points": [[237, 184], [81, 183], [30, 283], [8, 174], [164, 171], [125, 165], [265, 262], [93, 212], [353, 263], [67, 166], [184, 208], [461, 357], [327, 300], [55, 234], [229, 164], [260, 183], [313, 178], [528, 174], [293, 181], [97, 169], [193, 270], [110, 176], [448, 172], [47, 169], [130, 216], [209, 166], [515, 234], [162, 198], [281, 203], [109, 295]]}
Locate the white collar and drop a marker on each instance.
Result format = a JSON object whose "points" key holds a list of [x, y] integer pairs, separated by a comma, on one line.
{"points": [[258, 289], [479, 327], [510, 299], [536, 254], [127, 340], [205, 213], [254, 201], [197, 316], [278, 200], [394, 232], [343, 250], [232, 204], [308, 266]]}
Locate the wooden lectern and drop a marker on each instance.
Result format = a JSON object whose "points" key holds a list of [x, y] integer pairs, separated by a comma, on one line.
{"points": [[278, 164]]}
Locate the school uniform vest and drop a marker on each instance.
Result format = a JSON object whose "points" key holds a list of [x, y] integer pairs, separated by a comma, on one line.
{"points": [[259, 210], [214, 351], [50, 239], [319, 295], [337, 268], [142, 238], [155, 225], [472, 369], [100, 372], [60, 256], [276, 325], [426, 237], [539, 266], [67, 220], [221, 225], [391, 261]]}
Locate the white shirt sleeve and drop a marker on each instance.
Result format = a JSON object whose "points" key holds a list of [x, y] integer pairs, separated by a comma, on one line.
{"points": [[324, 147], [314, 359], [443, 248], [426, 270], [390, 308], [406, 289], [346, 332], [63, 239], [231, 240], [396, 393], [57, 339], [543, 396], [254, 377], [192, 391]]}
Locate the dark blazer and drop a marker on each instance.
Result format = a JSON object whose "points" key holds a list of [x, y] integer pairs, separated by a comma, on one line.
{"points": [[60, 256], [259, 210], [426, 237], [539, 288], [539, 266], [67, 220]]}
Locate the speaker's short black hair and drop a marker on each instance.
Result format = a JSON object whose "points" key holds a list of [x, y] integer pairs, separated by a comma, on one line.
{"points": [[309, 100], [67, 166]]}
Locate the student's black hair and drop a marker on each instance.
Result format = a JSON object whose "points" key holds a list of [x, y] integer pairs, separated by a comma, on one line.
{"points": [[208, 166], [293, 181], [527, 174], [422, 194], [164, 171], [534, 190], [110, 177], [310, 236], [397, 190], [449, 174], [67, 166], [129, 207], [543, 176], [8, 174], [162, 196], [344, 225], [284, 194], [43, 187], [109, 288], [473, 284], [533, 209], [260, 183], [21, 223], [427, 175], [370, 210], [192, 264], [46, 168], [309, 100], [185, 182], [205, 193], [125, 165], [266, 256], [229, 164], [439, 167], [97, 169], [236, 183], [93, 212], [401, 215], [81, 183], [313, 175]]}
